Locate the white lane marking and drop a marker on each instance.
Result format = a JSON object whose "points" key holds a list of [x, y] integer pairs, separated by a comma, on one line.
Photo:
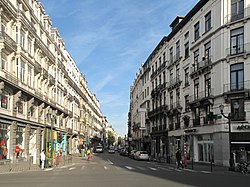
{"points": [[128, 167], [190, 170], [72, 168], [110, 162], [205, 172], [49, 169], [105, 168], [83, 167], [164, 169], [177, 170], [154, 169], [141, 168]]}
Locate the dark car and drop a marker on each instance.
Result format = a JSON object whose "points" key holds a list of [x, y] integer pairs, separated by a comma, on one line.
{"points": [[124, 152]]}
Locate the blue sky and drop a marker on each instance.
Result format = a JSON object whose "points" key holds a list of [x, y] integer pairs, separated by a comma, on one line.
{"points": [[110, 39]]}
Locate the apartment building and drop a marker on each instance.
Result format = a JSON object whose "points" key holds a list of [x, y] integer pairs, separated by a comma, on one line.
{"points": [[206, 61], [45, 102]]}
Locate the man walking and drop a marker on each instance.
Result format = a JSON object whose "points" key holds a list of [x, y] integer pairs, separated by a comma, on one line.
{"points": [[178, 158], [42, 158]]}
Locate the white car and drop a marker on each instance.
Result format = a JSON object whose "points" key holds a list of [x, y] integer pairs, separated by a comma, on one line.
{"points": [[111, 149], [141, 155], [99, 149]]}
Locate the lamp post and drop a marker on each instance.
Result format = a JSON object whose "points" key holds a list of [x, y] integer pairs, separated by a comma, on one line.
{"points": [[231, 159]]}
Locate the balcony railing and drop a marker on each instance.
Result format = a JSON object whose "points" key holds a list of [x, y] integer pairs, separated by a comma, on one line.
{"points": [[239, 86], [206, 61], [8, 40], [238, 116], [238, 49], [196, 122], [174, 81], [237, 16], [171, 126], [201, 95]]}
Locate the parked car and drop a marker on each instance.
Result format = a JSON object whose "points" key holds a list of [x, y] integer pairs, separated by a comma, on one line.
{"points": [[141, 155], [99, 149], [132, 154], [124, 152], [111, 149]]}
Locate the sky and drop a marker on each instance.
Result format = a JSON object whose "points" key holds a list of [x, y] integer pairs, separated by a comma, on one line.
{"points": [[110, 40]]}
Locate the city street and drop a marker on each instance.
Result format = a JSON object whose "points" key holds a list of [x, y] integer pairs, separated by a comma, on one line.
{"points": [[114, 170]]}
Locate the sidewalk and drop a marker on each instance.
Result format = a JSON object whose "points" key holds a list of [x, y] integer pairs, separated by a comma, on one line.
{"points": [[7, 167]]}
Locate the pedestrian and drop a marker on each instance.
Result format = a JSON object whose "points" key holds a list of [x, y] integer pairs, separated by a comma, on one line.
{"points": [[42, 158], [88, 154], [178, 158]]}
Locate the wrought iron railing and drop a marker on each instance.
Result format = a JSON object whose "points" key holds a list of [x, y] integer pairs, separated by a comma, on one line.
{"points": [[238, 86]]}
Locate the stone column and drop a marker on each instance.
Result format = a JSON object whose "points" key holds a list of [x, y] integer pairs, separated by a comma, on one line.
{"points": [[12, 150]]}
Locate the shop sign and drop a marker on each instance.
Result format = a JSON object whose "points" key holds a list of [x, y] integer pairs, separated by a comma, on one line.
{"points": [[243, 127]]}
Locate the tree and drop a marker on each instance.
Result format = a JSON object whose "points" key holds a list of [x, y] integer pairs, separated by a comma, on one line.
{"points": [[119, 140], [111, 138]]}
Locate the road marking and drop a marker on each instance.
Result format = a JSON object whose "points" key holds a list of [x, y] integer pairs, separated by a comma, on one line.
{"points": [[154, 169], [72, 168], [190, 170], [105, 168], [141, 168], [208, 172], [110, 162], [83, 167], [49, 169], [128, 167], [164, 169]]}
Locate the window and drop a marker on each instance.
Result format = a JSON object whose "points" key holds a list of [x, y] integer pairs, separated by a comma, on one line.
{"points": [[237, 41], [177, 50], [207, 22], [3, 61], [171, 100], [160, 61], [207, 52], [22, 40], [164, 98], [186, 50], [197, 31], [164, 77], [238, 110], [186, 35], [171, 55], [237, 77], [186, 77], [177, 72], [20, 106], [29, 76], [4, 101], [237, 9], [22, 73], [171, 76], [164, 57], [29, 46], [207, 85], [196, 89], [187, 103], [196, 59]]}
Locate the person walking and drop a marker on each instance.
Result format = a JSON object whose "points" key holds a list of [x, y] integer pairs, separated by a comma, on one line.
{"points": [[178, 158], [42, 158]]}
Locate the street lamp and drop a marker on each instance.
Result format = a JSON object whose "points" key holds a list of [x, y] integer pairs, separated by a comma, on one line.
{"points": [[231, 159]]}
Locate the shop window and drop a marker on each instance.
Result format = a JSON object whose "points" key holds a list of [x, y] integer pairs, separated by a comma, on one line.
{"points": [[3, 141]]}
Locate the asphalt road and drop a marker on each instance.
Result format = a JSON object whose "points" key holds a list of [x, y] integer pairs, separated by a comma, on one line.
{"points": [[113, 170]]}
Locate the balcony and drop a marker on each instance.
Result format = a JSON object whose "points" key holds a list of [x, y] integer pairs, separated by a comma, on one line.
{"points": [[238, 16], [201, 67], [238, 116], [196, 122], [202, 96], [238, 50], [174, 59], [8, 41], [238, 87], [159, 110], [171, 126], [52, 80], [174, 82]]}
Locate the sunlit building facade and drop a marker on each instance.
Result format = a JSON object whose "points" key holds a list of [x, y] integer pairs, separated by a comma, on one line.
{"points": [[206, 61], [44, 99]]}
